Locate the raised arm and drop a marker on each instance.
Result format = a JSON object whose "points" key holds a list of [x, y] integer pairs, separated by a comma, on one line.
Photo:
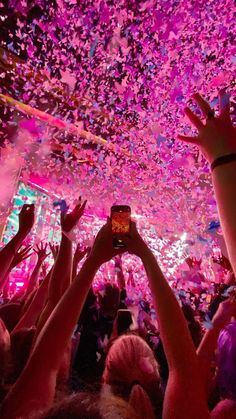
{"points": [[41, 251], [185, 396], [19, 256], [78, 256], [31, 315], [119, 272], [26, 222], [61, 279], [62, 271], [35, 387], [217, 141]]}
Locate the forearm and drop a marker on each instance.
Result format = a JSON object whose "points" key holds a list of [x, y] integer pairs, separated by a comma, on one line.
{"points": [[32, 313], [206, 350], [61, 275], [175, 336], [120, 277], [59, 281], [7, 254], [5, 292], [185, 396], [5, 285], [224, 181], [33, 278], [71, 303], [74, 269]]}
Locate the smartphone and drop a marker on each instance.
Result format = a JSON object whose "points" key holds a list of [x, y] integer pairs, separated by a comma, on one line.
{"points": [[120, 223]]}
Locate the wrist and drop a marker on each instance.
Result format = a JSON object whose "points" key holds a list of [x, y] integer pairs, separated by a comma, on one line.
{"points": [[223, 160], [145, 253], [65, 238], [225, 150], [93, 261]]}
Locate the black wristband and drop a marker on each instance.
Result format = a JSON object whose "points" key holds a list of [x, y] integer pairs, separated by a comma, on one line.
{"points": [[223, 160]]}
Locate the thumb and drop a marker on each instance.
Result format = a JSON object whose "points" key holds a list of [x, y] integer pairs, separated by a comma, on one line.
{"points": [[127, 240]]}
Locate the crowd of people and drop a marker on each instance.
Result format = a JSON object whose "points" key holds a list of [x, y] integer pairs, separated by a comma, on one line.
{"points": [[70, 351]]}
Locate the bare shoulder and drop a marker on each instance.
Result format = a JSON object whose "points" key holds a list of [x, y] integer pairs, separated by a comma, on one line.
{"points": [[226, 409]]}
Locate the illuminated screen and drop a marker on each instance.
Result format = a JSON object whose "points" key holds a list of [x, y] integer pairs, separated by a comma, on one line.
{"points": [[120, 222], [46, 224]]}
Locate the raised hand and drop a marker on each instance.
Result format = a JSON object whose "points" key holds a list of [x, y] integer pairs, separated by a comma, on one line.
{"points": [[41, 251], [134, 242], [54, 249], [26, 222], [26, 218], [70, 220], [217, 136], [102, 250], [224, 262], [193, 262], [80, 253], [44, 270], [21, 255]]}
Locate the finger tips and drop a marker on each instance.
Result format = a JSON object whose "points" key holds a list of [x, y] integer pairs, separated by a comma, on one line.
{"points": [[196, 96], [187, 110]]}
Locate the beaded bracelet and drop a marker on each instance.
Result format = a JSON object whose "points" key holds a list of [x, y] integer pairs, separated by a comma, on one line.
{"points": [[223, 160]]}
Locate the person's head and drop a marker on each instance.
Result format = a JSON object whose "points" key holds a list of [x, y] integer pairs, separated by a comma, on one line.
{"points": [[227, 361], [130, 361], [90, 405], [123, 321], [110, 300], [89, 303], [10, 314]]}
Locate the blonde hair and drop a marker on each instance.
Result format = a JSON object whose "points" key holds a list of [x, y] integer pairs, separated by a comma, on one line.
{"points": [[89, 405], [129, 360], [132, 372], [141, 403]]}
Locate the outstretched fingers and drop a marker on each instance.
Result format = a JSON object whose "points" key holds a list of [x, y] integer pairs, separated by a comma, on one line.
{"points": [[79, 208], [25, 250], [188, 139], [194, 119], [224, 104], [203, 104]]}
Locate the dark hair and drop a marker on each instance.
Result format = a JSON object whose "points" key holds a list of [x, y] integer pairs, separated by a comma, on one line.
{"points": [[109, 302], [124, 321], [10, 314]]}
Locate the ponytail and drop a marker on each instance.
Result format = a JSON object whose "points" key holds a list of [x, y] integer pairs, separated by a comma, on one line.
{"points": [[141, 403]]}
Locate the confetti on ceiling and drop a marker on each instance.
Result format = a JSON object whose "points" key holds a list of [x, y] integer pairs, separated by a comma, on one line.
{"points": [[92, 98]]}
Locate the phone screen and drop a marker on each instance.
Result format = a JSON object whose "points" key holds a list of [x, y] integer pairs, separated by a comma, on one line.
{"points": [[120, 219], [120, 223]]}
